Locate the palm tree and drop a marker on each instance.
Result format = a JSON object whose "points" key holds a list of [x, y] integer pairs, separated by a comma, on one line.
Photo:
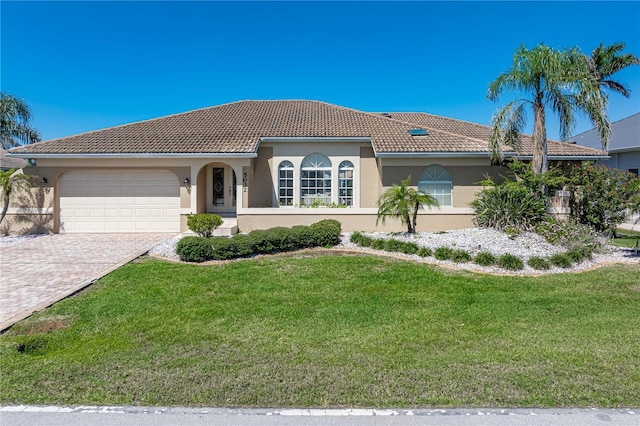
{"points": [[552, 79], [402, 201], [15, 115], [603, 63], [11, 182]]}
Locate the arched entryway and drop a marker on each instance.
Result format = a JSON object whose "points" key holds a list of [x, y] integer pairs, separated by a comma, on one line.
{"points": [[220, 187]]}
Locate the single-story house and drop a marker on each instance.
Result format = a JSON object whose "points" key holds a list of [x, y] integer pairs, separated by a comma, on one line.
{"points": [[267, 163], [624, 146], [8, 163]]}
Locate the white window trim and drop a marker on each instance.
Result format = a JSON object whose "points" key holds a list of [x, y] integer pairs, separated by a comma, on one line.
{"points": [[435, 182], [291, 167]]}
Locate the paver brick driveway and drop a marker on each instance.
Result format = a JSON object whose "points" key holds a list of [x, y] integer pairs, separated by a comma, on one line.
{"points": [[36, 273]]}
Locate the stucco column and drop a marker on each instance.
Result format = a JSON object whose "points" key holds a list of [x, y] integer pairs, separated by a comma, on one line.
{"points": [[240, 178], [194, 188]]}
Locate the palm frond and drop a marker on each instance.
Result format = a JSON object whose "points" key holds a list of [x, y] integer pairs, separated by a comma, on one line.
{"points": [[506, 125]]}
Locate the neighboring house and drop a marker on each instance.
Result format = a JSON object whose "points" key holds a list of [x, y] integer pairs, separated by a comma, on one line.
{"points": [[624, 146], [8, 163], [269, 163]]}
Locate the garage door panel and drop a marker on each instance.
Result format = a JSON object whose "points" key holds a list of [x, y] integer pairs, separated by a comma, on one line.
{"points": [[119, 201]]}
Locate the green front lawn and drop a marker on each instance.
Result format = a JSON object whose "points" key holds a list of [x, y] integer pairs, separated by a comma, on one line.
{"points": [[624, 238], [328, 330]]}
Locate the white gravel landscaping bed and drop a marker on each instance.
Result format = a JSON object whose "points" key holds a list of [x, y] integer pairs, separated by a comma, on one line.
{"points": [[11, 240], [473, 240]]}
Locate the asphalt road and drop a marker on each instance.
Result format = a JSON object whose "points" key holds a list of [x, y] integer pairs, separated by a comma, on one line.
{"points": [[125, 416]]}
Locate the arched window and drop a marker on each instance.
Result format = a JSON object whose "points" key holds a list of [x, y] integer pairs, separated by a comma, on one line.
{"points": [[315, 180], [436, 180], [285, 183], [345, 183]]}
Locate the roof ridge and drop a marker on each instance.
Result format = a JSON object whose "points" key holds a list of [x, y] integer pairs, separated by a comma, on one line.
{"points": [[183, 113], [133, 123]]}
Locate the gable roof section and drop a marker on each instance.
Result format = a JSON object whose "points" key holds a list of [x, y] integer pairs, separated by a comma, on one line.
{"points": [[236, 129], [482, 134], [7, 163]]}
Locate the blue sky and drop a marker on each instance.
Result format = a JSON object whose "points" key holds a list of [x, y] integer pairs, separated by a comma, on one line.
{"points": [[89, 65]]}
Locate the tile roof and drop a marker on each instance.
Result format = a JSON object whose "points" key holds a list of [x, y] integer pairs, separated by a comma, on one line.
{"points": [[7, 163], [237, 128], [482, 134]]}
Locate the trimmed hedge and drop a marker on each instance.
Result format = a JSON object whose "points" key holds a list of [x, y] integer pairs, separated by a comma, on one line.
{"points": [[325, 233]]}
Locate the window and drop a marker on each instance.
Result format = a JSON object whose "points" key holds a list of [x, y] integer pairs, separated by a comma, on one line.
{"points": [[634, 171], [315, 180], [436, 180], [285, 183], [345, 183]]}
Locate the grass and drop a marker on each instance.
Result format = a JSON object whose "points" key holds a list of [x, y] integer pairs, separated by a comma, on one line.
{"points": [[329, 331], [625, 238]]}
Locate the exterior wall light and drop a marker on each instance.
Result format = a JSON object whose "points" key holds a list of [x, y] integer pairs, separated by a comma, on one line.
{"points": [[43, 181], [187, 183]]}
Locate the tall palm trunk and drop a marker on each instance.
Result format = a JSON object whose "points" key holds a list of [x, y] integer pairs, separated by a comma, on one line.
{"points": [[540, 164]]}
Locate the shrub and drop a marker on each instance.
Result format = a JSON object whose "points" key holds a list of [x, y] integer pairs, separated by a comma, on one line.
{"points": [[509, 206], [539, 263], [361, 239], [578, 254], [510, 262], [326, 232], [304, 236], [460, 256], [200, 249], [243, 245], [560, 260], [224, 248], [569, 234], [484, 258], [378, 244], [424, 252], [194, 249], [393, 245], [409, 248], [599, 196], [261, 241], [283, 239], [203, 224], [443, 253]]}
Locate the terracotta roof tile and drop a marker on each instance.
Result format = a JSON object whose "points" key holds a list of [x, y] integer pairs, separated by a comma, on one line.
{"points": [[482, 134], [237, 128], [7, 163]]}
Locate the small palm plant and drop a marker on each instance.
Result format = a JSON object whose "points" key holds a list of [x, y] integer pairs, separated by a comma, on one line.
{"points": [[404, 202], [11, 182]]}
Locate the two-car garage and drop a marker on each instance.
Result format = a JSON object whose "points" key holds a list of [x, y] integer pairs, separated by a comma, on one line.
{"points": [[119, 201]]}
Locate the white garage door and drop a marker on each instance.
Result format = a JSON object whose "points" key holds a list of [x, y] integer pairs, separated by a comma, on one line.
{"points": [[119, 201]]}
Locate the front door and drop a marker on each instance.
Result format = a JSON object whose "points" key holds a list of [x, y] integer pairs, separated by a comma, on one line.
{"points": [[222, 196]]}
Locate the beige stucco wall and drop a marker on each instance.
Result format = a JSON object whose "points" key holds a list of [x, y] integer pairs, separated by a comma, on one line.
{"points": [[465, 174], [30, 211], [337, 152], [372, 177], [427, 222], [371, 181], [260, 185], [192, 197]]}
